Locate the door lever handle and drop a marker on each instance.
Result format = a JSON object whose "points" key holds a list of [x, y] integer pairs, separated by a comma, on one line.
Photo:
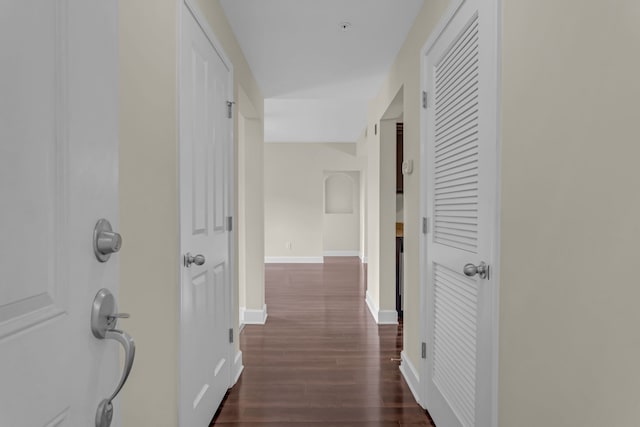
{"points": [[104, 414], [103, 322]]}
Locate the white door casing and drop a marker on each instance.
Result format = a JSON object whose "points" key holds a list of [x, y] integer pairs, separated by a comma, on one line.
{"points": [[58, 176], [460, 152], [206, 146]]}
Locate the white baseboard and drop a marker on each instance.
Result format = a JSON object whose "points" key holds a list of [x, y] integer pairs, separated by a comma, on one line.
{"points": [[241, 319], [373, 308], [253, 317], [382, 317], [293, 260], [341, 253], [363, 259], [411, 376], [387, 317], [238, 367]]}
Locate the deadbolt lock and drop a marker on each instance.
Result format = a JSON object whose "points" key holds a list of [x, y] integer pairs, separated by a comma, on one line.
{"points": [[105, 240]]}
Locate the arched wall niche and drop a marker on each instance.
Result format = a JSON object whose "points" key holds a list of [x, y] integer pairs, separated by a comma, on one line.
{"points": [[341, 213], [339, 193]]}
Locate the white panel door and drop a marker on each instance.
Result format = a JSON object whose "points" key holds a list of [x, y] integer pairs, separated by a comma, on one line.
{"points": [[58, 176], [461, 202], [205, 149]]}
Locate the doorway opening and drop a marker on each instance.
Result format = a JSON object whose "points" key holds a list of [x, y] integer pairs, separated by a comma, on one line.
{"points": [[392, 183]]}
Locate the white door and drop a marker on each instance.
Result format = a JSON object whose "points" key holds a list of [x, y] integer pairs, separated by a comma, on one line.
{"points": [[460, 76], [205, 148], [58, 176]]}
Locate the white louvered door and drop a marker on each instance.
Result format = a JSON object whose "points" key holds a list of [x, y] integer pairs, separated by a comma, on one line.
{"points": [[461, 203]]}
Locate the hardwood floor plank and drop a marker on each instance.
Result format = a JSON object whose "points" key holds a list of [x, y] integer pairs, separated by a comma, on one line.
{"points": [[320, 360]]}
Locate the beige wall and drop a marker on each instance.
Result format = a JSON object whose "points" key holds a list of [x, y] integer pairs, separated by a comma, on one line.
{"points": [[361, 152], [149, 203], [372, 148], [250, 218], [294, 194], [149, 196], [242, 233], [381, 168], [405, 74], [341, 231], [569, 325]]}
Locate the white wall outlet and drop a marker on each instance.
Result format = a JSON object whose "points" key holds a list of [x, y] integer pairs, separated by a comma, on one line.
{"points": [[287, 245]]}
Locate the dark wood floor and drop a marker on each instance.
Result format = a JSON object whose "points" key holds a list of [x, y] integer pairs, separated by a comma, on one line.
{"points": [[320, 360]]}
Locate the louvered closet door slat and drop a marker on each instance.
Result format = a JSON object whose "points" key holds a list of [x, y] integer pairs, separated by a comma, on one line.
{"points": [[461, 143], [457, 225], [458, 82], [456, 142], [464, 47], [464, 156], [468, 194], [455, 331], [453, 123], [450, 177], [463, 89]]}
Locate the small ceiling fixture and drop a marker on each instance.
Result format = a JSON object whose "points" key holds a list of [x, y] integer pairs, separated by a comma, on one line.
{"points": [[345, 26]]}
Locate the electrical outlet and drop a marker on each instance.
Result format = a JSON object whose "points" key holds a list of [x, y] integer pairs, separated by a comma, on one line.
{"points": [[287, 245]]}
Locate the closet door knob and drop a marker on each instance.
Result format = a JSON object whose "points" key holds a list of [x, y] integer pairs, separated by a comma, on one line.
{"points": [[191, 259], [481, 270]]}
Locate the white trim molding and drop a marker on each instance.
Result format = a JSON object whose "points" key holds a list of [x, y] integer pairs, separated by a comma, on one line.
{"points": [[381, 317], [373, 308], [250, 316], [411, 376], [293, 260], [342, 253], [209, 33], [364, 259], [237, 368], [387, 317]]}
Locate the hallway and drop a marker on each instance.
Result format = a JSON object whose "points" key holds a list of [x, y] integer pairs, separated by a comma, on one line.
{"points": [[320, 359]]}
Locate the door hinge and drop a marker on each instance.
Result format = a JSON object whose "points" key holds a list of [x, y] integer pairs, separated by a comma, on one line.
{"points": [[425, 99], [426, 225], [424, 350], [230, 109], [230, 335], [229, 223]]}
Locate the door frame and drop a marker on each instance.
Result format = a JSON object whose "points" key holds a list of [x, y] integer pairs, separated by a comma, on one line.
{"points": [[493, 9], [190, 6]]}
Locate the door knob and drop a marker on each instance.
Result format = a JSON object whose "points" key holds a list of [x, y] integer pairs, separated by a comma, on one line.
{"points": [[105, 240], [103, 325], [481, 270], [191, 259]]}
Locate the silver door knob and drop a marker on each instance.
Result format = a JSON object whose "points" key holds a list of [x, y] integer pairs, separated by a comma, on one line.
{"points": [[481, 270], [105, 240], [191, 259]]}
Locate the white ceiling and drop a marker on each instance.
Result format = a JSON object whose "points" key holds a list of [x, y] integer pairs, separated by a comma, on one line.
{"points": [[316, 78]]}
